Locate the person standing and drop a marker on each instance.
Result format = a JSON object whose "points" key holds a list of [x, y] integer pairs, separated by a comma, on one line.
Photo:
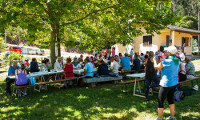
{"points": [[131, 54], [113, 52], [169, 81], [150, 75]]}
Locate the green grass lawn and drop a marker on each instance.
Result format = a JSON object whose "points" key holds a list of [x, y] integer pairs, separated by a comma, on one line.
{"points": [[106, 101]]}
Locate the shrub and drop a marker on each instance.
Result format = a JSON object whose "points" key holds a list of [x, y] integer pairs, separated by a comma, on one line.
{"points": [[11, 57]]}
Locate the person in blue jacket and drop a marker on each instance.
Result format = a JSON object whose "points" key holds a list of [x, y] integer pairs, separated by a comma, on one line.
{"points": [[169, 81]]}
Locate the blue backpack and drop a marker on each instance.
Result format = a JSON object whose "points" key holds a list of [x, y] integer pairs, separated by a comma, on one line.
{"points": [[31, 81]]}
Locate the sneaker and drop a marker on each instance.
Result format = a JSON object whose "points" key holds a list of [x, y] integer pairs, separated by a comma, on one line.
{"points": [[159, 119], [171, 118]]}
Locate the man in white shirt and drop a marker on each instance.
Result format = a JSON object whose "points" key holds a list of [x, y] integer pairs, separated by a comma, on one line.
{"points": [[114, 67], [182, 56], [58, 64]]}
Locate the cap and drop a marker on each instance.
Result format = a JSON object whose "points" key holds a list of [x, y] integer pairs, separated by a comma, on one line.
{"points": [[171, 49], [26, 58]]}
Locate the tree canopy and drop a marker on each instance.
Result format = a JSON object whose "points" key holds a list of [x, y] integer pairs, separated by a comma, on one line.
{"points": [[87, 24]]}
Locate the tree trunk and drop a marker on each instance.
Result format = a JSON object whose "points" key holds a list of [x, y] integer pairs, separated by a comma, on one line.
{"points": [[198, 29], [52, 46], [58, 46], [58, 40]]}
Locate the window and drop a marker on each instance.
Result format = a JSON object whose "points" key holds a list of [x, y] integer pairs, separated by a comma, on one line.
{"points": [[147, 40], [186, 42]]}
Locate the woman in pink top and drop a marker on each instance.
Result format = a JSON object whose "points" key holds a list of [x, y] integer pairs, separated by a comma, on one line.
{"points": [[26, 63], [113, 52]]}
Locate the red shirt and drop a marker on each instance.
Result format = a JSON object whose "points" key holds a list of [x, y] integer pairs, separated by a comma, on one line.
{"points": [[69, 70]]}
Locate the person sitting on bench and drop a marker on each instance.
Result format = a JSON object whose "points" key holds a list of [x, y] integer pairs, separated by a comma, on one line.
{"points": [[136, 63], [58, 66], [114, 67], [125, 62], [34, 66], [68, 69], [102, 69], [181, 71], [151, 75], [21, 79], [190, 68], [76, 64], [11, 72], [88, 69]]}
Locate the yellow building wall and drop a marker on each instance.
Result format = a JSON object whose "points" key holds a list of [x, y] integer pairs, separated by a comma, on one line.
{"points": [[119, 48], [138, 43], [157, 41]]}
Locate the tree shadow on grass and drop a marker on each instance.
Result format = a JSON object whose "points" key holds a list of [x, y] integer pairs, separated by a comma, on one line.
{"points": [[102, 102]]}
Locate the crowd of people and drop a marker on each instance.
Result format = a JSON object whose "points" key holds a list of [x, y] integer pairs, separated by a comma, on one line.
{"points": [[158, 67]]}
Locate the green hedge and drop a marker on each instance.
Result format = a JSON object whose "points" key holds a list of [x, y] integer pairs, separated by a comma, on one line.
{"points": [[196, 53]]}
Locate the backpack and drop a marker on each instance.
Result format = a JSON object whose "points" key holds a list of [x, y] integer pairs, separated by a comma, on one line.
{"points": [[188, 92], [31, 81], [179, 95]]}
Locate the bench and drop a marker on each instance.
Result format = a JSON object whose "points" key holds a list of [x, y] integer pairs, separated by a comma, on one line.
{"points": [[51, 82], [18, 88], [188, 80], [95, 80], [125, 83]]}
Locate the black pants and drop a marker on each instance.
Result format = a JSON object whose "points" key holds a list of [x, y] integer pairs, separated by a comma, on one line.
{"points": [[8, 83], [149, 81], [166, 92]]}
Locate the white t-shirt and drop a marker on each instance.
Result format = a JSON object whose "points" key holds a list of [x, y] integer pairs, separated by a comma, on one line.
{"points": [[114, 67], [183, 68], [77, 66], [58, 66], [182, 56]]}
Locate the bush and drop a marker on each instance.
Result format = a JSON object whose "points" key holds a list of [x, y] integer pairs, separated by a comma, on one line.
{"points": [[195, 53], [11, 57]]}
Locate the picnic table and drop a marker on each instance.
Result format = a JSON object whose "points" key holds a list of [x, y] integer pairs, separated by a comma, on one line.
{"points": [[80, 71], [136, 76]]}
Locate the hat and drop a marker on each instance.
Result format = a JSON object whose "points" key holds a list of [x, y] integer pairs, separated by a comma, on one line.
{"points": [[171, 49], [26, 58], [59, 58], [75, 58]]}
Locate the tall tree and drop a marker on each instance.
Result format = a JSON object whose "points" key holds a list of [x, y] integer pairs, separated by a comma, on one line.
{"points": [[90, 24]]}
